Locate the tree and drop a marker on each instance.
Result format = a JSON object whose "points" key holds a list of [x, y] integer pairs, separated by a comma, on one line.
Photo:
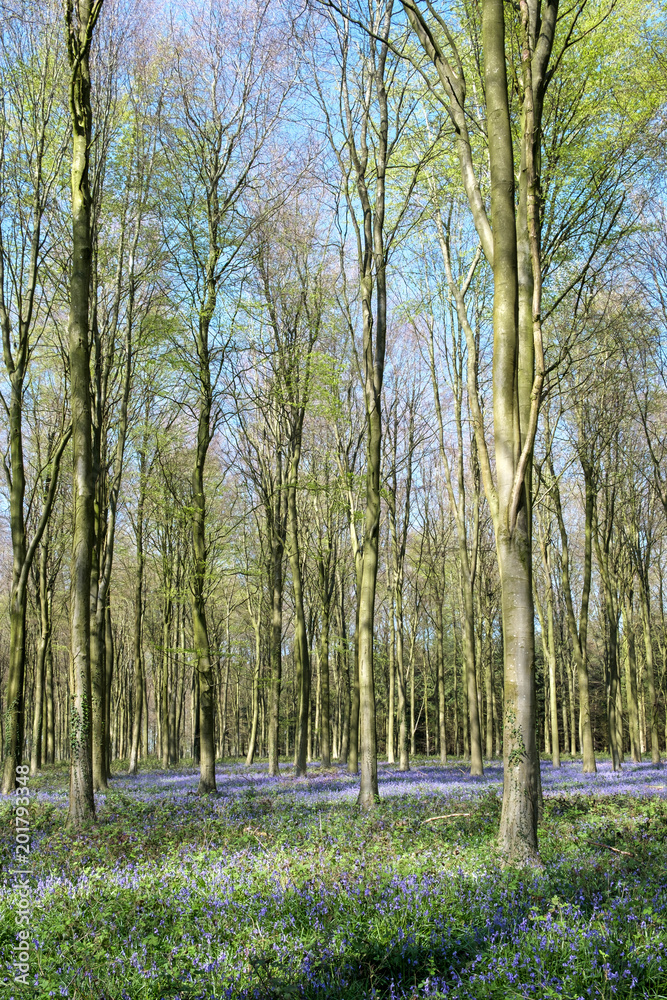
{"points": [[222, 114], [373, 116], [510, 241], [80, 21]]}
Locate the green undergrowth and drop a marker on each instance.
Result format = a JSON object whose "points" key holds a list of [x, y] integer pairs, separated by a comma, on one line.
{"points": [[275, 893]]}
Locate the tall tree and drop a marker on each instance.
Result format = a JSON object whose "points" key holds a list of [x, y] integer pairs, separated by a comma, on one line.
{"points": [[80, 21], [510, 241], [374, 110], [223, 111]]}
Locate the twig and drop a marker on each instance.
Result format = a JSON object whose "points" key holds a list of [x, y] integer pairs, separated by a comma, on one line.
{"points": [[609, 848], [252, 832], [446, 816]]}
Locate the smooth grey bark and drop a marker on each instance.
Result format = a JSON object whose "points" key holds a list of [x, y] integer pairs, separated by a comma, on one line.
{"points": [[442, 708], [138, 664], [277, 536], [399, 539], [80, 21], [110, 653], [204, 664], [631, 673], [372, 283], [40, 662], [252, 738], [391, 692], [50, 734], [511, 244]]}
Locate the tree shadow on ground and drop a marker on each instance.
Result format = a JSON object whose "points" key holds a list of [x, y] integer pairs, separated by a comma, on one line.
{"points": [[369, 969]]}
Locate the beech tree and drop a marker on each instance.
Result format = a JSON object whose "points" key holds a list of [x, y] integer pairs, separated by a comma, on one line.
{"points": [[510, 241], [80, 21]]}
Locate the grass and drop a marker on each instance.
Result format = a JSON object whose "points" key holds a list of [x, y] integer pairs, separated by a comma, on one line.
{"points": [[281, 888]]}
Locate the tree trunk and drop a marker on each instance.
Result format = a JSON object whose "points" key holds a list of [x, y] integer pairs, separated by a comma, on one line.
{"points": [[368, 788], [277, 547], [513, 371], [511, 243], [45, 598], [325, 750], [553, 699], [547, 727], [301, 650], [571, 702], [138, 674], [413, 724], [196, 741], [476, 762], [631, 676], [403, 752], [252, 741], [79, 37], [49, 706], [98, 677], [650, 675], [465, 718], [521, 782], [391, 697], [164, 681], [109, 646], [563, 706], [442, 713], [199, 626], [489, 704], [353, 730], [612, 680], [344, 681]]}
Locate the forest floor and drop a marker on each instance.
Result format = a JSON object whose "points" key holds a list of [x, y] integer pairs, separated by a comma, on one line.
{"points": [[280, 888]]}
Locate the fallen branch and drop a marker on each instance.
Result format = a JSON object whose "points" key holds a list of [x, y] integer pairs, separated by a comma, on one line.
{"points": [[610, 848], [446, 816]]}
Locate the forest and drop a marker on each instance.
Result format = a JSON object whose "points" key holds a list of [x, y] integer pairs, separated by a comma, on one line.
{"points": [[333, 510]]}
